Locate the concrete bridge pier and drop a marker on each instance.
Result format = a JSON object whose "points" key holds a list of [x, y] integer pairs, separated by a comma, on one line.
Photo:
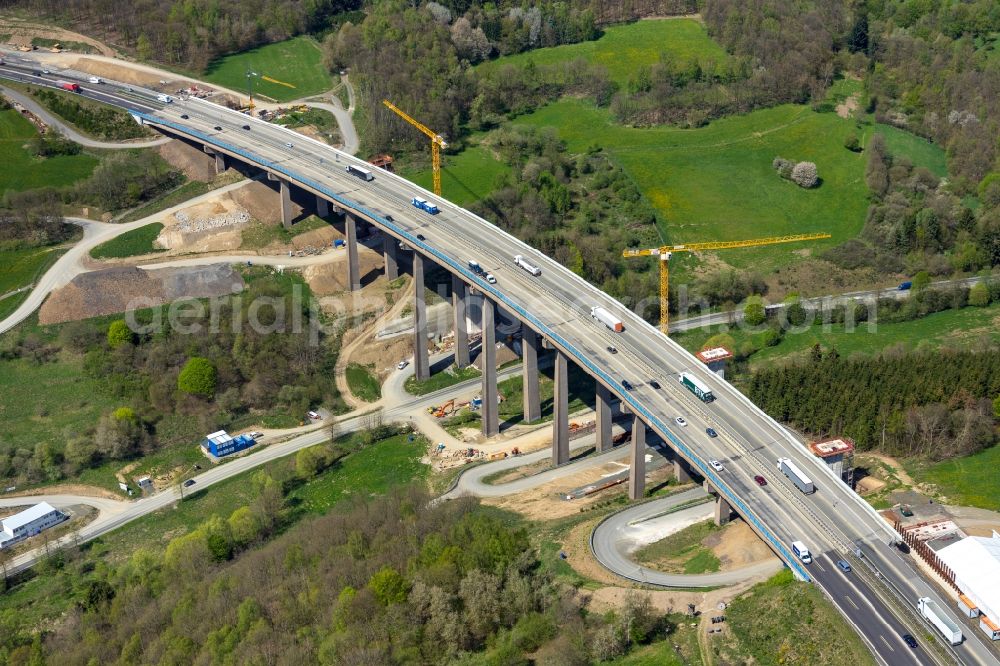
{"points": [[605, 442], [529, 369], [221, 163], [421, 365], [490, 411], [389, 249], [286, 199], [682, 473], [322, 207], [723, 510], [637, 460], [458, 301], [353, 268], [560, 411]]}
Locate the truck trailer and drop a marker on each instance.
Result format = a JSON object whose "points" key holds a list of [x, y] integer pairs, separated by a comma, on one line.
{"points": [[797, 476], [933, 614], [425, 205], [608, 319], [72, 87], [696, 386], [531, 268]]}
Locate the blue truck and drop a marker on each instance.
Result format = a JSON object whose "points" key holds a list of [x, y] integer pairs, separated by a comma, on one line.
{"points": [[425, 205]]}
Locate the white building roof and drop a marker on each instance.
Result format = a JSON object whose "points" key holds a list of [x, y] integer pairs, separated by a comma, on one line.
{"points": [[27, 516], [219, 438], [976, 563]]}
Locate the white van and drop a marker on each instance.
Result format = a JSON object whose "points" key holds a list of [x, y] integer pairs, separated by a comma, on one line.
{"points": [[166, 99], [801, 552], [95, 79]]}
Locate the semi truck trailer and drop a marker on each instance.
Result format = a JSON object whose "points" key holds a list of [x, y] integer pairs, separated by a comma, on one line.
{"points": [[608, 319], [531, 268], [696, 386], [72, 87], [797, 476], [933, 614]]}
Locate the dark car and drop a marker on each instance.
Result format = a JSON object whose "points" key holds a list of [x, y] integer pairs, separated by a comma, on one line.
{"points": [[184, 116], [613, 350], [711, 432], [189, 483], [421, 237], [655, 384], [910, 640], [246, 127], [761, 481], [388, 218], [627, 385], [218, 128]]}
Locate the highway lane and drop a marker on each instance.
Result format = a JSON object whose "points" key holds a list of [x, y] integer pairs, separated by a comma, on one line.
{"points": [[557, 304]]}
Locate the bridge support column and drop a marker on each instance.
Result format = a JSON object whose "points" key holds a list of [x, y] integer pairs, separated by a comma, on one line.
{"points": [[681, 471], [490, 411], [286, 203], [322, 207], [723, 511], [389, 247], [421, 365], [353, 269], [459, 302], [220, 163], [637, 461], [529, 369], [605, 442], [560, 411]]}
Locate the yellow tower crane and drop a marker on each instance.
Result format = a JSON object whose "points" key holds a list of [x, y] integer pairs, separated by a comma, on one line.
{"points": [[437, 142], [666, 251]]}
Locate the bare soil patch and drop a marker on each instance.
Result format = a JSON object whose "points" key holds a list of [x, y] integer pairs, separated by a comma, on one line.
{"points": [[67, 489], [737, 546], [22, 32], [815, 277], [191, 161], [846, 108]]}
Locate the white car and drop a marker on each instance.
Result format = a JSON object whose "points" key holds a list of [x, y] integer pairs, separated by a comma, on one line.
{"points": [[314, 416], [289, 145], [255, 435], [402, 364], [490, 278], [716, 465], [681, 422], [95, 79]]}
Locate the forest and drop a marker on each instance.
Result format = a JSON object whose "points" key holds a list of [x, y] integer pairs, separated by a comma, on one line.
{"points": [[392, 580], [938, 405], [175, 383]]}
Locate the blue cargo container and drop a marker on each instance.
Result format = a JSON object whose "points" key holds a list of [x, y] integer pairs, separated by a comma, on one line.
{"points": [[221, 444]]}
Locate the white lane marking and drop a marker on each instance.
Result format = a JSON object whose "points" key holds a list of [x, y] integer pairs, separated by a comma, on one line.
{"points": [[887, 643], [851, 601]]}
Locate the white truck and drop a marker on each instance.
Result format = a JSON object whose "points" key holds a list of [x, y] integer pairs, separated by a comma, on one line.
{"points": [[802, 552], [796, 475], [531, 268], [933, 614], [166, 99], [608, 319]]}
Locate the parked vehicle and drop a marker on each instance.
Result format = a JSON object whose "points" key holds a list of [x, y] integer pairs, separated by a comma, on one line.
{"points": [[425, 205], [402, 364], [531, 268], [696, 386], [801, 552], [796, 475], [608, 319], [716, 465], [944, 624], [314, 416], [72, 87], [903, 286]]}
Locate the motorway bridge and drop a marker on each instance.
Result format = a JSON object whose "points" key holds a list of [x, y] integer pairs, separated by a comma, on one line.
{"points": [[554, 311]]}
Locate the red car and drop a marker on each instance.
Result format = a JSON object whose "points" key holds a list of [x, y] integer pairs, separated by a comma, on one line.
{"points": [[761, 481]]}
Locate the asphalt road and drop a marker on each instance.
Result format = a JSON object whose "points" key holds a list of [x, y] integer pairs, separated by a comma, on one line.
{"points": [[611, 541], [557, 304]]}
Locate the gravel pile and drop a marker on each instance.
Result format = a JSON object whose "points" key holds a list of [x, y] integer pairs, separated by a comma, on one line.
{"points": [[188, 224]]}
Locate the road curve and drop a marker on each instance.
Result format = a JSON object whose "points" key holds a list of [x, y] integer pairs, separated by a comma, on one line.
{"points": [[610, 543], [347, 130], [68, 131]]}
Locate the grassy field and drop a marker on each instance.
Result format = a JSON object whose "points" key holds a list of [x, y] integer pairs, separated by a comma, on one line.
{"points": [[441, 380], [969, 481], [465, 177], [951, 328], [363, 383], [296, 62], [623, 49], [786, 622], [260, 235], [19, 269], [919, 150], [682, 552], [23, 171], [717, 183], [130, 244]]}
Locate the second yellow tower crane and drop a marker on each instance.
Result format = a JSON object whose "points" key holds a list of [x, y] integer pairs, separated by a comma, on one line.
{"points": [[437, 142], [666, 251]]}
